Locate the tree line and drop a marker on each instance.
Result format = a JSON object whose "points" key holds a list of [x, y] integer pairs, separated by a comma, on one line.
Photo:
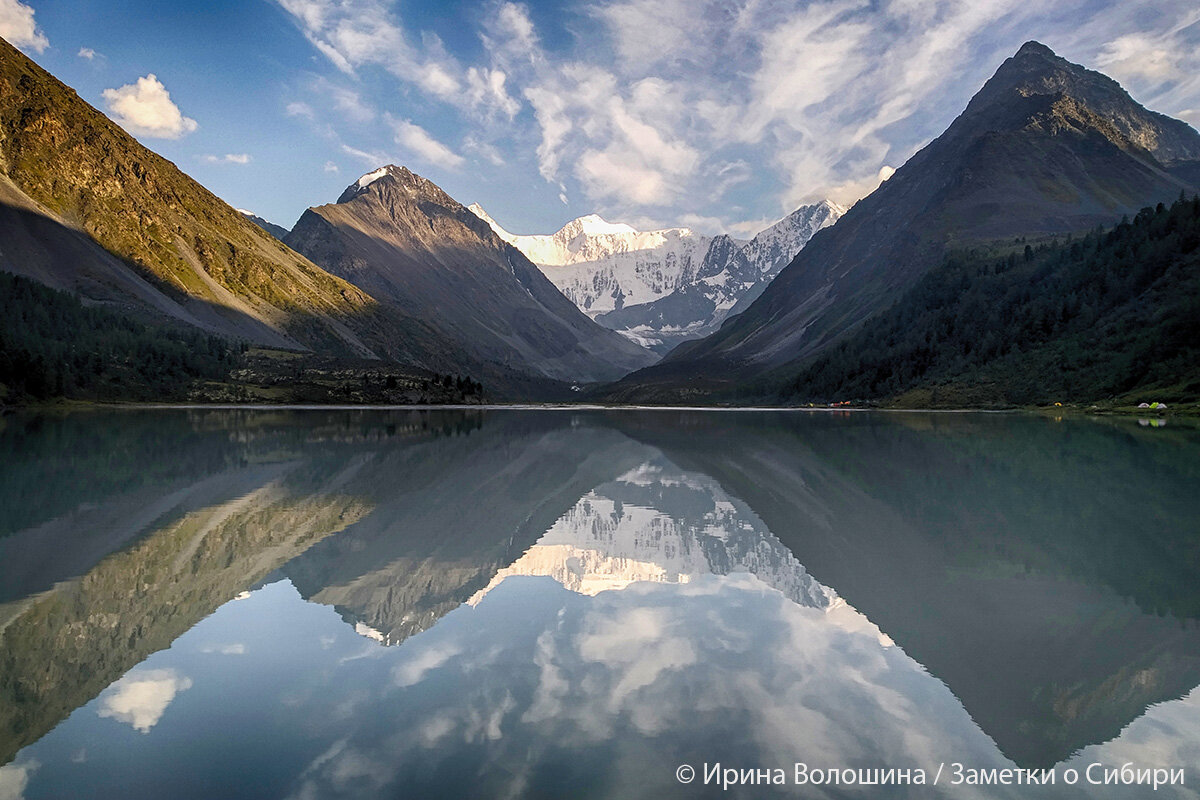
{"points": [[1108, 315], [52, 345]]}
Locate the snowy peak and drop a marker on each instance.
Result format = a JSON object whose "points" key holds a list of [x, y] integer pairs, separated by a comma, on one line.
{"points": [[772, 248], [478, 211], [371, 177], [593, 240], [658, 288], [595, 225], [619, 534]]}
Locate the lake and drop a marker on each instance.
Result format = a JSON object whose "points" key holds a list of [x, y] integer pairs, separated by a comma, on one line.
{"points": [[588, 603]]}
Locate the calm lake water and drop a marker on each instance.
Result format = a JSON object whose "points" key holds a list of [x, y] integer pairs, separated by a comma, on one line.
{"points": [[504, 603]]}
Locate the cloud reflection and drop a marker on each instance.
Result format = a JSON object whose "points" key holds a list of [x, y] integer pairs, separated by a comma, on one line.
{"points": [[141, 697]]}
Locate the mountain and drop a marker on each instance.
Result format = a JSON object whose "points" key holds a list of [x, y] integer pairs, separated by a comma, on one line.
{"points": [[601, 266], [659, 288], [86, 208], [623, 532], [1045, 147], [405, 241], [278, 231], [1111, 317], [390, 578]]}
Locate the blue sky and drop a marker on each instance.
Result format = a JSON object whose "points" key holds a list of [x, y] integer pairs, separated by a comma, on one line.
{"points": [[719, 115]]}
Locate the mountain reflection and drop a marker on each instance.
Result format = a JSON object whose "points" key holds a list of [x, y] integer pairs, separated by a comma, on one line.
{"points": [[599, 592], [656, 523]]}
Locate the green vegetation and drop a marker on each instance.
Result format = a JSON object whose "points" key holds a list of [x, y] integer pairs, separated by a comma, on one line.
{"points": [[1112, 316], [51, 346]]}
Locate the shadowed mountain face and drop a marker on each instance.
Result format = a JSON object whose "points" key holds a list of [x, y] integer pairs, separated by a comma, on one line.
{"points": [[85, 208], [278, 231], [1045, 147], [425, 551], [401, 238]]}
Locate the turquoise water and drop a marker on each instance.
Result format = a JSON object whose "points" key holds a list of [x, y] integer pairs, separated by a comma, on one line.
{"points": [[502, 603]]}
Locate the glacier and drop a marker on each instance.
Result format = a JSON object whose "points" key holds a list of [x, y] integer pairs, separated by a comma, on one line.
{"points": [[659, 288]]}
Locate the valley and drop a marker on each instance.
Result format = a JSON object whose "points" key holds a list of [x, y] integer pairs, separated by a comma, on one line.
{"points": [[383, 295]]}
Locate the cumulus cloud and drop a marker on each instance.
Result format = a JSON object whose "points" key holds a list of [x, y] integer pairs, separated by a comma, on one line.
{"points": [[418, 141], [330, 166], [19, 28], [87, 53], [141, 697], [145, 108]]}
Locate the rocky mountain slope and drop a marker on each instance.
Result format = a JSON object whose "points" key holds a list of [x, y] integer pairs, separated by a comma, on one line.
{"points": [[659, 288], [1045, 147], [405, 241], [86, 208]]}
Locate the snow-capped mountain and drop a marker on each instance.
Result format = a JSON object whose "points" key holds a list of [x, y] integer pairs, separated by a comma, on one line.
{"points": [[662, 287], [623, 532]]}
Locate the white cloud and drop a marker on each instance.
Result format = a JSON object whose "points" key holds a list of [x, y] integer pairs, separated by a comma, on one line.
{"points": [[238, 648], [418, 141], [87, 52], [483, 149], [349, 103], [485, 87], [298, 109], [14, 778], [369, 157], [19, 28], [330, 166], [1139, 55], [141, 697], [145, 109], [413, 670], [356, 35], [228, 158], [736, 109]]}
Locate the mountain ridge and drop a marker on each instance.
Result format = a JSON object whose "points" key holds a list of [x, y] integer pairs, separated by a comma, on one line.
{"points": [[153, 240], [1023, 159], [405, 241], [665, 286]]}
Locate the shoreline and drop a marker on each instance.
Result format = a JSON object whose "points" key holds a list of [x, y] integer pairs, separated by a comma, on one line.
{"points": [[1074, 411]]}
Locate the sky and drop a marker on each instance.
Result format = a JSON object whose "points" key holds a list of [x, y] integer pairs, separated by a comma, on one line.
{"points": [[721, 116]]}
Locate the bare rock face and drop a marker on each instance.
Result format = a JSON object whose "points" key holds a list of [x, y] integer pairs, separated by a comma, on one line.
{"points": [[402, 239], [1045, 147], [86, 208]]}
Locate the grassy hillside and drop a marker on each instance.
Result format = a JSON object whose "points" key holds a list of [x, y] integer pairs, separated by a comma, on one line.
{"points": [[1114, 315]]}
